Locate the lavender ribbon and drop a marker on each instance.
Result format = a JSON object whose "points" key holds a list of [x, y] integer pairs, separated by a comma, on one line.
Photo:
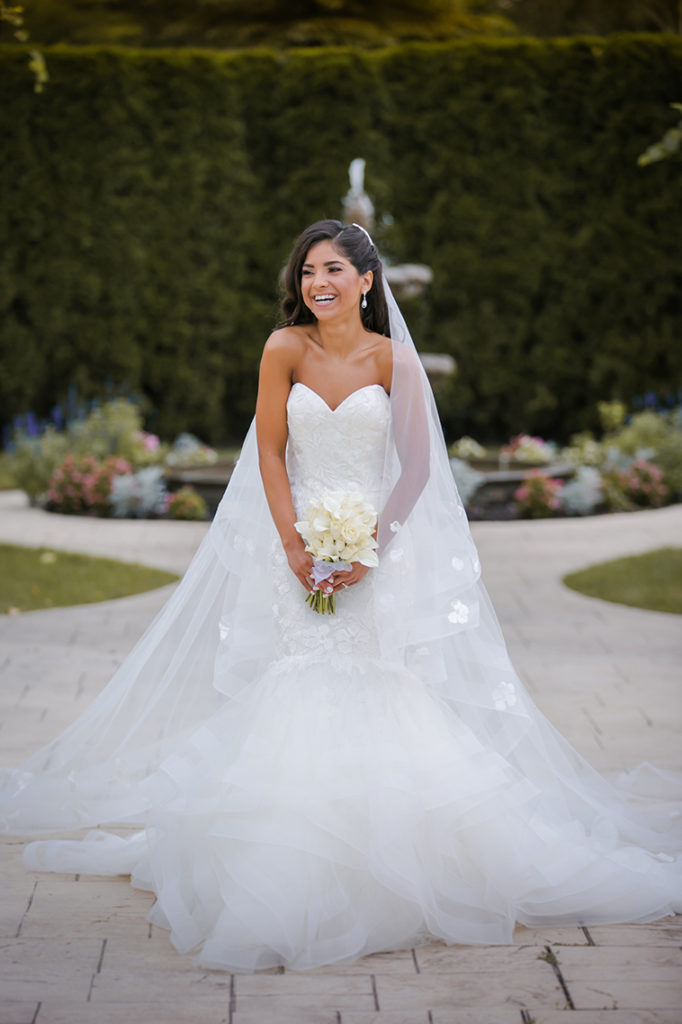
{"points": [[323, 570]]}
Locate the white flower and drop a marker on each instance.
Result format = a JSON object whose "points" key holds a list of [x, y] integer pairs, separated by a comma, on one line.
{"points": [[394, 526], [457, 564], [366, 556], [468, 448], [504, 696], [351, 531], [459, 613]]}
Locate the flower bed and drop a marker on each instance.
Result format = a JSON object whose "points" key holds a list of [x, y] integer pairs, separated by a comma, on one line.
{"points": [[101, 462], [637, 463]]}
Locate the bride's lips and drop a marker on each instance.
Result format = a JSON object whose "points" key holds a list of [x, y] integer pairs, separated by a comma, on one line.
{"points": [[323, 300]]}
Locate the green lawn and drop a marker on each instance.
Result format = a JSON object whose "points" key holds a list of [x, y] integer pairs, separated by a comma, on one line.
{"points": [[33, 578], [652, 580]]}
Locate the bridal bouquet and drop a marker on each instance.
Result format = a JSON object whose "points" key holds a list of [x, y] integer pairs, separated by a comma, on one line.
{"points": [[337, 530]]}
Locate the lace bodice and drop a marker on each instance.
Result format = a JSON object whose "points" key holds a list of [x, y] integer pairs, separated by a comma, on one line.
{"points": [[340, 449]]}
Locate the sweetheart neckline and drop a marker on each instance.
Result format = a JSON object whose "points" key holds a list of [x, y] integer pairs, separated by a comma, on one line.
{"points": [[365, 387]]}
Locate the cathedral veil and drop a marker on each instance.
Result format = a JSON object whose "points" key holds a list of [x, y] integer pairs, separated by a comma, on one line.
{"points": [[215, 636]]}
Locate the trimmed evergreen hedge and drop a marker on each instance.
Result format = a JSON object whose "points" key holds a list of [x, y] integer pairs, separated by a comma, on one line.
{"points": [[148, 200]]}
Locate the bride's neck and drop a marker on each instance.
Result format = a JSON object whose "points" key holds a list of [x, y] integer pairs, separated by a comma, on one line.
{"points": [[341, 338]]}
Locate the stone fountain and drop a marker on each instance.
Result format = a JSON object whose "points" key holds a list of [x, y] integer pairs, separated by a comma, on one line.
{"points": [[407, 280]]}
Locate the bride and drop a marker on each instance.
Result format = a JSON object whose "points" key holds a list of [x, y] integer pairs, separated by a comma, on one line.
{"points": [[313, 788]]}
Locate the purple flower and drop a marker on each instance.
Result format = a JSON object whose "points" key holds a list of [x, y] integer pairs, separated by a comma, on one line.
{"points": [[32, 425]]}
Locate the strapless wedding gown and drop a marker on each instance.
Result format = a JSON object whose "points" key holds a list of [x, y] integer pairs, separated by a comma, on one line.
{"points": [[343, 807]]}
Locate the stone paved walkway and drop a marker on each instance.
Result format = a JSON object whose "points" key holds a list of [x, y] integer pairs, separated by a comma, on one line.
{"points": [[79, 951]]}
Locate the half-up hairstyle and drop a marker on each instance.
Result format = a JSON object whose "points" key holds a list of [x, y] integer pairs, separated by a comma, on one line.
{"points": [[350, 241]]}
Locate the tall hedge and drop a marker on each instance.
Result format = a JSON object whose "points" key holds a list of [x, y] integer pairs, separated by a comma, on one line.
{"points": [[148, 199]]}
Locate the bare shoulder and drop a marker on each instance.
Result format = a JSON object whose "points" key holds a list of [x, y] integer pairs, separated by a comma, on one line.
{"points": [[384, 348], [285, 340], [282, 351], [384, 358]]}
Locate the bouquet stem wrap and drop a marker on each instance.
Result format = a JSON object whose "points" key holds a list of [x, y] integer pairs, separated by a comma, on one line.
{"points": [[325, 603]]}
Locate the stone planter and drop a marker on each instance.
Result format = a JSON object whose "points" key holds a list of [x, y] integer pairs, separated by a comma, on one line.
{"points": [[208, 481], [494, 496]]}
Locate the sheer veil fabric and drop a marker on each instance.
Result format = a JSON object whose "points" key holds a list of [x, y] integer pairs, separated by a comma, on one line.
{"points": [[215, 637]]}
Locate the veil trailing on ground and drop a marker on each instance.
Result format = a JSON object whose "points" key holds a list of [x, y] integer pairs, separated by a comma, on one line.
{"points": [[216, 636]]}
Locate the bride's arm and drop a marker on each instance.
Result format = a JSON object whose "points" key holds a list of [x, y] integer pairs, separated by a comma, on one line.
{"points": [[412, 442], [274, 384]]}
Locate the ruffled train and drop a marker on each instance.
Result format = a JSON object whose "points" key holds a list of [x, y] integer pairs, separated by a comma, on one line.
{"points": [[344, 809]]}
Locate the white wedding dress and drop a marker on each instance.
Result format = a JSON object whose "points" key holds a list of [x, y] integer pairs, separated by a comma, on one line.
{"points": [[343, 806]]}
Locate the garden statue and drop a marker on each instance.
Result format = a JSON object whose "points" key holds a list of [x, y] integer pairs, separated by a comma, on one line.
{"points": [[358, 208]]}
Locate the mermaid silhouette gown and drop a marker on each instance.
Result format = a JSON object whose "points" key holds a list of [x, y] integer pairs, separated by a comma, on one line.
{"points": [[343, 807]]}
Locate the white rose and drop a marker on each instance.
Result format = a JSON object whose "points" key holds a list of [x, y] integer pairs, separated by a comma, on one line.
{"points": [[351, 531]]}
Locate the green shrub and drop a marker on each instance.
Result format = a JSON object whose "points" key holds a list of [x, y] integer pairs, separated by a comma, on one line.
{"points": [[652, 436], [614, 491], [584, 450], [115, 428], [645, 431], [34, 460], [151, 197], [7, 478], [669, 460], [186, 504]]}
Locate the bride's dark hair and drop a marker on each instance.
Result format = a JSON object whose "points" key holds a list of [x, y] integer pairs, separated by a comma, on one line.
{"points": [[353, 243]]}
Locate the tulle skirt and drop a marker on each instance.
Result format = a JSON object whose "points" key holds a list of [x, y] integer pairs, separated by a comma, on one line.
{"points": [[343, 809]]}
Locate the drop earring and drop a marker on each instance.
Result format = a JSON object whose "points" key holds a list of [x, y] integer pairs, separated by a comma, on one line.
{"points": [[363, 304]]}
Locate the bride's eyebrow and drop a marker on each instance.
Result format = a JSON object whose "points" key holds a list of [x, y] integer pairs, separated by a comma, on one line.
{"points": [[329, 263]]}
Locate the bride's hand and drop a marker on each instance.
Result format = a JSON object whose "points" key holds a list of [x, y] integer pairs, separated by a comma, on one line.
{"points": [[301, 564], [340, 580]]}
